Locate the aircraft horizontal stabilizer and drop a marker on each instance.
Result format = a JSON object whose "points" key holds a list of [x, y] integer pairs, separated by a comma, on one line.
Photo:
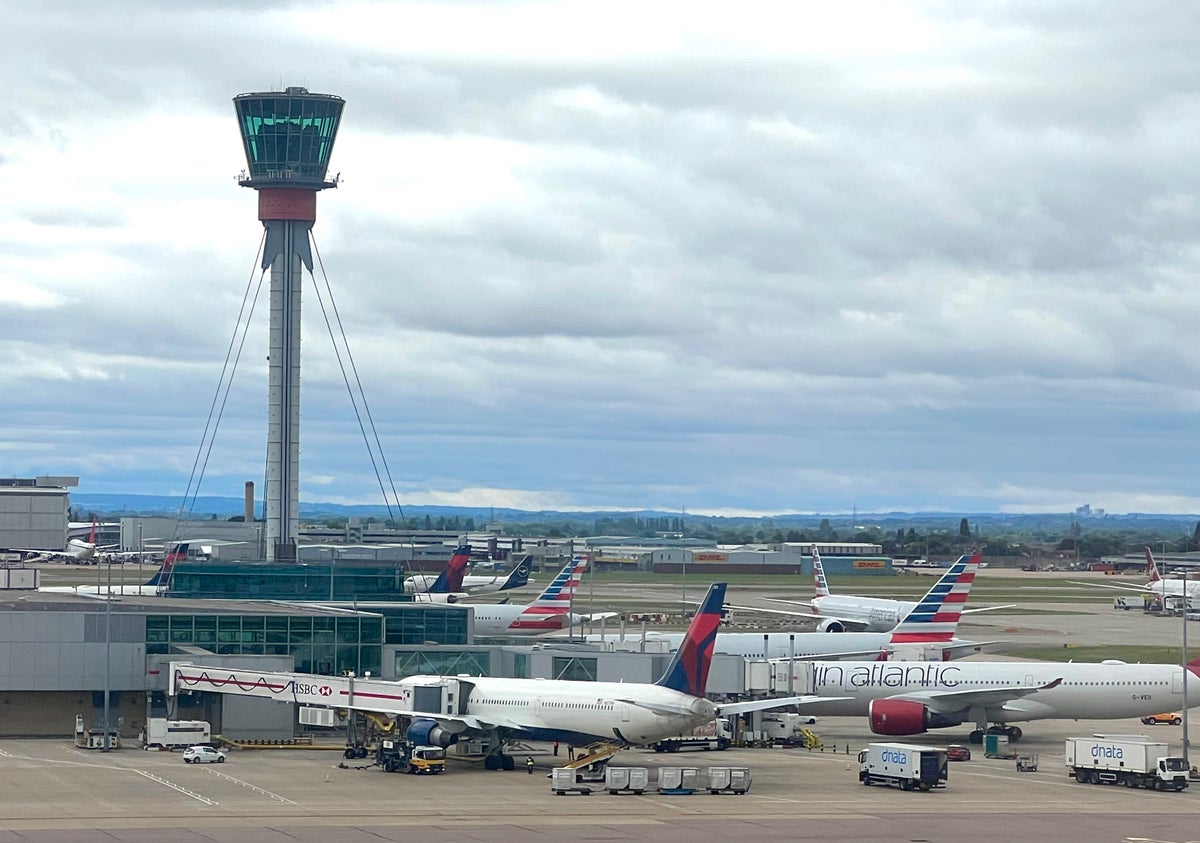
{"points": [[776, 702]]}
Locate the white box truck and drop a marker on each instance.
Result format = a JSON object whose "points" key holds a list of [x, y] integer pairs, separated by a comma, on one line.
{"points": [[906, 766], [715, 734], [1131, 760], [161, 733]]}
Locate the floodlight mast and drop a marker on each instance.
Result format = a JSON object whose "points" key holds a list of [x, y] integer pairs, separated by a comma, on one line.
{"points": [[288, 138]]}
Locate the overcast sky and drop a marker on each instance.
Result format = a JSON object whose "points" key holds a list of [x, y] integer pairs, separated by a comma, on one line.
{"points": [[788, 258]]}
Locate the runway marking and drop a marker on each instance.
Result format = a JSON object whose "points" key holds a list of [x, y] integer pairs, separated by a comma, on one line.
{"points": [[173, 786], [255, 788]]}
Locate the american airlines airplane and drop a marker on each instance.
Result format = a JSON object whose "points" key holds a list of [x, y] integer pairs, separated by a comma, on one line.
{"points": [[909, 698], [839, 613], [442, 710], [454, 579], [929, 627], [550, 611]]}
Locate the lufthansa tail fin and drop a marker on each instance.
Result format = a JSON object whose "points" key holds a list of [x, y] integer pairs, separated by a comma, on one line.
{"points": [[450, 580], [820, 584], [688, 670], [936, 617], [519, 577]]}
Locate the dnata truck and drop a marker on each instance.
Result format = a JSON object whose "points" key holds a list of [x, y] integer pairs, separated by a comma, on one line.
{"points": [[1131, 760], [901, 765], [161, 733], [715, 734]]}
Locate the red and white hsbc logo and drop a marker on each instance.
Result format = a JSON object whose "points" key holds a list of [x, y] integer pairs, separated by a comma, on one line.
{"points": [[306, 688]]}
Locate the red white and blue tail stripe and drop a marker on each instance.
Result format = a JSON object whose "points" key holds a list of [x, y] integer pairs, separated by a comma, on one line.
{"points": [[550, 609], [820, 584], [935, 618]]}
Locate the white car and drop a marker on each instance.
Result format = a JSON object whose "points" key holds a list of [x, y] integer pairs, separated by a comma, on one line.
{"points": [[203, 755]]}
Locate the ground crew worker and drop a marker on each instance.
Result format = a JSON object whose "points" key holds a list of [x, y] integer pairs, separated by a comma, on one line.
{"points": [[529, 764]]}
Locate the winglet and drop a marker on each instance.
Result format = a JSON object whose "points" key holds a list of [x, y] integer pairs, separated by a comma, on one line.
{"points": [[935, 618], [688, 670]]}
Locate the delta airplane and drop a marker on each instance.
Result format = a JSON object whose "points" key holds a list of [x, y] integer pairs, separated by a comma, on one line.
{"points": [[153, 587], [909, 698], [445, 709], [1156, 585], [453, 578], [839, 613], [929, 628]]}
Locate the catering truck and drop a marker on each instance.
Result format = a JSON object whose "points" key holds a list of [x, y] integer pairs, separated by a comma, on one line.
{"points": [[1131, 760], [715, 734], [906, 766], [161, 733]]}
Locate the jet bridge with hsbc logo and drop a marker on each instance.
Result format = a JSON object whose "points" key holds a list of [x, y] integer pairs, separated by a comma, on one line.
{"points": [[406, 698]]}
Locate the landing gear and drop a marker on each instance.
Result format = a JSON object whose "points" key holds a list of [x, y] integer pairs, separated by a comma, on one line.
{"points": [[1013, 733], [495, 758], [976, 736]]}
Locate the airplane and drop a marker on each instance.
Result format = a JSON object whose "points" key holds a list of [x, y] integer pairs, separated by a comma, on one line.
{"points": [[909, 698], [1156, 584], [445, 709], [77, 551], [454, 580], [153, 587], [928, 628], [549, 611], [839, 613]]}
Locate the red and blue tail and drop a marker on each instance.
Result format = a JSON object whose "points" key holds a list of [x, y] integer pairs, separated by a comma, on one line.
{"points": [[450, 580], [175, 553], [688, 670], [936, 617], [1151, 567]]}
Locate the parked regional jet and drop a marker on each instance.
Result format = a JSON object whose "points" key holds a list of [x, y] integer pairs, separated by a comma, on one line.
{"points": [[839, 613], [909, 698], [1156, 584], [454, 579], [445, 709], [153, 587], [929, 628]]}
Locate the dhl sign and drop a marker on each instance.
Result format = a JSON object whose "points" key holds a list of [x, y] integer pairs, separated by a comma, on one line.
{"points": [[710, 557], [869, 563]]}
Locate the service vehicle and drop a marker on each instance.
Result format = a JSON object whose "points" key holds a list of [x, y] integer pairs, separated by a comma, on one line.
{"points": [[906, 766], [1172, 718], [958, 752], [715, 734], [201, 754], [1131, 760], [405, 757], [161, 733], [1129, 601]]}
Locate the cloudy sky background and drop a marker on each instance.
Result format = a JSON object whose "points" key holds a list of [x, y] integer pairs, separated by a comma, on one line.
{"points": [[788, 258]]}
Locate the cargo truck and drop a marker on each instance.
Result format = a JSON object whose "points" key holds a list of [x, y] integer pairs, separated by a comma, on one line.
{"points": [[715, 734], [1131, 760], [161, 733], [398, 756], [905, 766]]}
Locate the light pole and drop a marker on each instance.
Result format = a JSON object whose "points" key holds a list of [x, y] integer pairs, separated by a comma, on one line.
{"points": [[1186, 603], [107, 657]]}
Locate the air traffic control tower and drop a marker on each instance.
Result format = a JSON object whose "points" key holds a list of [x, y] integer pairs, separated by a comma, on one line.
{"points": [[288, 138]]}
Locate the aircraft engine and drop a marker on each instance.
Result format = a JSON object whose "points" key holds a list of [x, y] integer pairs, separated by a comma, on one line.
{"points": [[429, 732], [831, 625], [903, 717]]}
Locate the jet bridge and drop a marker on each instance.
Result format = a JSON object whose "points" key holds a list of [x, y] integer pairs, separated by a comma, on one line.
{"points": [[414, 696]]}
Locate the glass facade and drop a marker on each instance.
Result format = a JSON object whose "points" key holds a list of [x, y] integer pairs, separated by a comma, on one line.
{"points": [[282, 581], [443, 663], [327, 645], [583, 670], [424, 625], [288, 136]]}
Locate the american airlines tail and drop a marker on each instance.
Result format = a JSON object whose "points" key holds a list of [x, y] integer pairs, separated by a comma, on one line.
{"points": [[688, 670], [450, 580], [1151, 567], [550, 609], [935, 618], [820, 584]]}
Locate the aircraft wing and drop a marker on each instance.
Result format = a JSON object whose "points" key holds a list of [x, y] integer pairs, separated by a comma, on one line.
{"points": [[857, 626], [1138, 588], [775, 702], [599, 616], [948, 702], [987, 608]]}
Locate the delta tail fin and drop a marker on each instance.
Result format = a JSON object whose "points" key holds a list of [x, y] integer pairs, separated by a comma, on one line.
{"points": [[688, 670], [450, 580], [518, 577], [1151, 567], [820, 584], [935, 618], [175, 553]]}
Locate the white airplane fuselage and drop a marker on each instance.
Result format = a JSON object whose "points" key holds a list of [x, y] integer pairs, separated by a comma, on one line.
{"points": [[1087, 691], [778, 645], [877, 614], [421, 583], [571, 711]]}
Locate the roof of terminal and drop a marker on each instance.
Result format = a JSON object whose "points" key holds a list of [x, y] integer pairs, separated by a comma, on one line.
{"points": [[42, 601]]}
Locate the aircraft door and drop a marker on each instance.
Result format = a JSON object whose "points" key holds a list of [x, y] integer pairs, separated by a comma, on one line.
{"points": [[1177, 683]]}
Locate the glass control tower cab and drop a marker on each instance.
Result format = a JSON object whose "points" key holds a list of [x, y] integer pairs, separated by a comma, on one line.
{"points": [[288, 137]]}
